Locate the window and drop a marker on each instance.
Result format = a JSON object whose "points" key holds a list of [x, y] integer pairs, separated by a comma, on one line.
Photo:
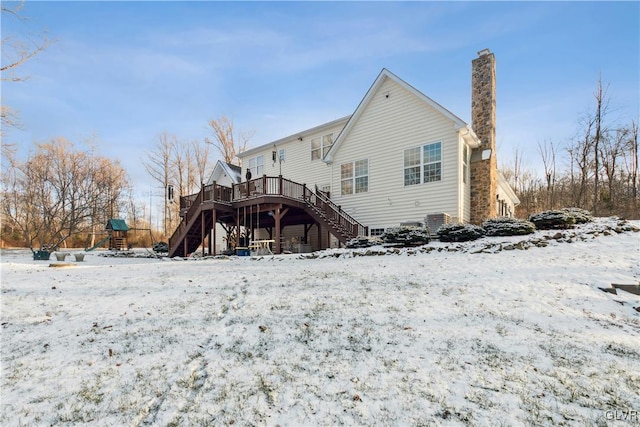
{"points": [[376, 232], [256, 165], [281, 154], [320, 146], [423, 164], [354, 177], [465, 163]]}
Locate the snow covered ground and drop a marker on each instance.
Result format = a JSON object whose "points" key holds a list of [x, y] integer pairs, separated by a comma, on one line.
{"points": [[501, 331]]}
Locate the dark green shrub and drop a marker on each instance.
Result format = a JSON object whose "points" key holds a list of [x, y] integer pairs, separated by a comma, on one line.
{"points": [[508, 227], [406, 236], [362, 242], [554, 219], [459, 232]]}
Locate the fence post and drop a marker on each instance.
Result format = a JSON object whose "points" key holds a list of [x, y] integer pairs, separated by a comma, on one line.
{"points": [[304, 192], [214, 196], [265, 190], [280, 184]]}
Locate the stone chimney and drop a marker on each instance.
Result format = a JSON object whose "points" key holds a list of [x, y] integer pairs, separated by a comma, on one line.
{"points": [[483, 165]]}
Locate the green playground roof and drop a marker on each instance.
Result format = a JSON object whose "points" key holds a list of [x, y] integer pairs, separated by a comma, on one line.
{"points": [[117, 225]]}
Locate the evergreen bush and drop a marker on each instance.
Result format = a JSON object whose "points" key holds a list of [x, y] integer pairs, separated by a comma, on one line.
{"points": [[407, 236], [553, 219], [505, 226], [459, 232], [362, 242]]}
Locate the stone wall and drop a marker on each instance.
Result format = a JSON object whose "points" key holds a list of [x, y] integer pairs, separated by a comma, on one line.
{"points": [[483, 170]]}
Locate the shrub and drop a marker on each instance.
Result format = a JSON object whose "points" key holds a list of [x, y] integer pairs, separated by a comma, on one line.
{"points": [[553, 219], [407, 236], [362, 242], [508, 227], [581, 216], [459, 232]]}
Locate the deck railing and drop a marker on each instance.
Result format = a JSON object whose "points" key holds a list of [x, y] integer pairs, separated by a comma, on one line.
{"points": [[267, 186]]}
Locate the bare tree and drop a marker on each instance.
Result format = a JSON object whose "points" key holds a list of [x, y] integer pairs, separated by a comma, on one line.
{"points": [[16, 52], [581, 160], [547, 152], [225, 139], [201, 154], [159, 166], [630, 160], [57, 191], [602, 104], [184, 169]]}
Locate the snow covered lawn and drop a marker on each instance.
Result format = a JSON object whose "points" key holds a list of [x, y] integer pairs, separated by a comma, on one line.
{"points": [[444, 336]]}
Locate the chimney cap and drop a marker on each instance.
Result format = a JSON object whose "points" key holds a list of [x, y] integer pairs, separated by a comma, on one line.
{"points": [[484, 52]]}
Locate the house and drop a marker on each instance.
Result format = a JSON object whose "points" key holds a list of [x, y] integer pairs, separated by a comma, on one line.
{"points": [[400, 157]]}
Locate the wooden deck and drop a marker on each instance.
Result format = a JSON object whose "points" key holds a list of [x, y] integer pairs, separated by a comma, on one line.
{"points": [[265, 203]]}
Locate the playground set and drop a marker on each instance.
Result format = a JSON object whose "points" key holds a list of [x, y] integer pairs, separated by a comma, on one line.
{"points": [[116, 238]]}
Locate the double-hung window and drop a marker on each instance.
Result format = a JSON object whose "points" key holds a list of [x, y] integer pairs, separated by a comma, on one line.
{"points": [[354, 177], [320, 146], [423, 164], [256, 165]]}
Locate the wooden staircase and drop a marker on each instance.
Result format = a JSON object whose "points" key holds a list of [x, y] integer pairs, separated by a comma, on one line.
{"points": [[198, 215], [327, 213]]}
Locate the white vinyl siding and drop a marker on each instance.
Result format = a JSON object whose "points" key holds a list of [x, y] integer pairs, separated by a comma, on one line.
{"points": [[387, 127], [297, 165]]}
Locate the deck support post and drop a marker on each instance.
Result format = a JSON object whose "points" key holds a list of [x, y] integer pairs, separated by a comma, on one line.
{"points": [[238, 228], [202, 230], [277, 233], [212, 233]]}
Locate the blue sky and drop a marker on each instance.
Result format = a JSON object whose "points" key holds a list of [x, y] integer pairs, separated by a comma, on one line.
{"points": [[126, 71]]}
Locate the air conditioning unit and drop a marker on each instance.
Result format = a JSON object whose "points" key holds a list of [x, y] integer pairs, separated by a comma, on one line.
{"points": [[435, 221]]}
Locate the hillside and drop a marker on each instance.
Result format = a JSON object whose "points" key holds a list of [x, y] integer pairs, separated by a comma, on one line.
{"points": [[500, 331]]}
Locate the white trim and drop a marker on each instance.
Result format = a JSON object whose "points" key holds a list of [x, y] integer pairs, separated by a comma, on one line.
{"points": [[223, 168], [422, 163], [296, 136], [386, 74], [508, 191]]}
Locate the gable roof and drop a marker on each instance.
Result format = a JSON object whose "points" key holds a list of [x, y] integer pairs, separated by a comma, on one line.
{"points": [[117, 225], [296, 136], [386, 74], [504, 185], [234, 172]]}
